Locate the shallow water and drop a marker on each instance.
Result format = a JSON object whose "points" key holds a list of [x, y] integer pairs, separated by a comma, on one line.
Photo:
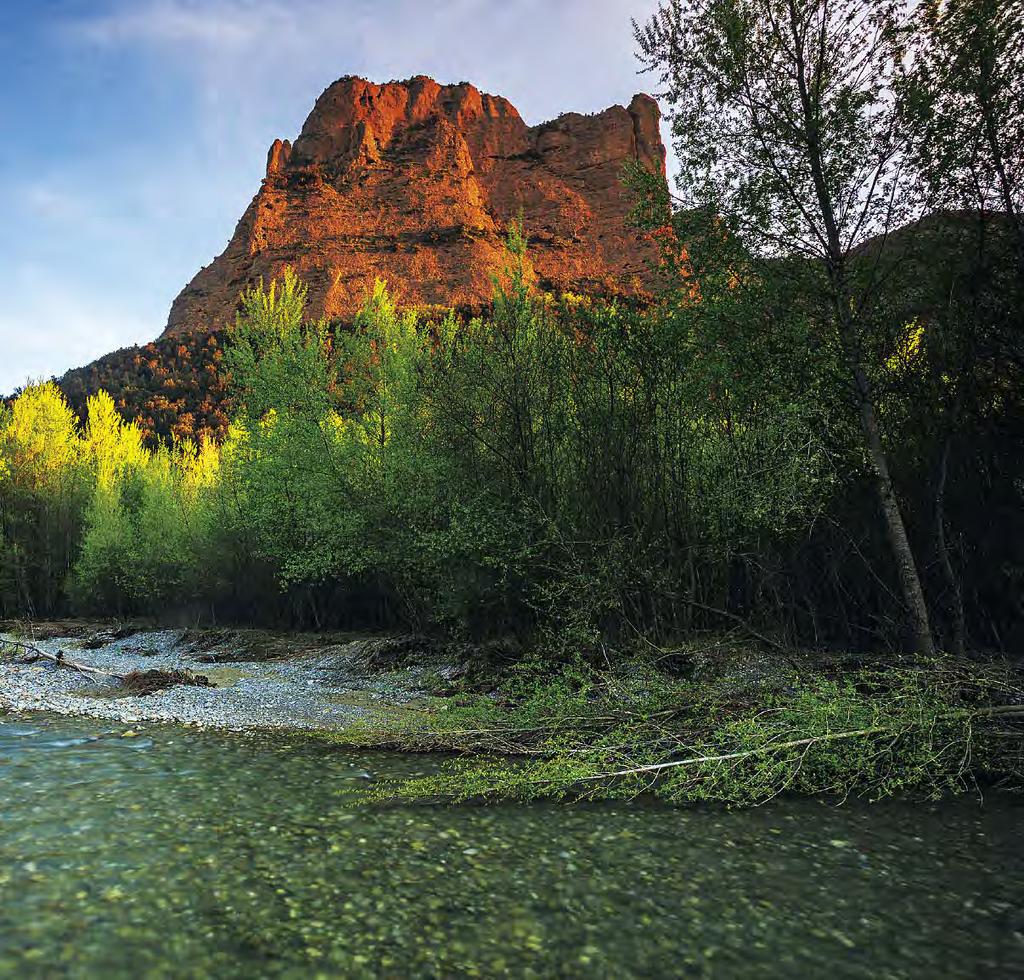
{"points": [[182, 853]]}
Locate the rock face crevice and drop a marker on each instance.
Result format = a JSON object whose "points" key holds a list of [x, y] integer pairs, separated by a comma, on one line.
{"points": [[416, 183]]}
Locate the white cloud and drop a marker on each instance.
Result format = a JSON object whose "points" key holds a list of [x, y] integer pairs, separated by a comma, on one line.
{"points": [[48, 202], [66, 203], [556, 54], [174, 22]]}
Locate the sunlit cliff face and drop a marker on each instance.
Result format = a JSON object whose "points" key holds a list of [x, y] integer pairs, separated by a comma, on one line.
{"points": [[416, 182]]}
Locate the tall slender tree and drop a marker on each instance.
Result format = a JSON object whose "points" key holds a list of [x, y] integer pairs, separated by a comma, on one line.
{"points": [[789, 136]]}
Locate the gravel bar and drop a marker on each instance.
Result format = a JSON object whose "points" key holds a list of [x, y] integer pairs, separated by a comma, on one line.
{"points": [[328, 686]]}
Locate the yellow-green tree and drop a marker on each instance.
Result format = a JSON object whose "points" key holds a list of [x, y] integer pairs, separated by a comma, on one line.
{"points": [[43, 492]]}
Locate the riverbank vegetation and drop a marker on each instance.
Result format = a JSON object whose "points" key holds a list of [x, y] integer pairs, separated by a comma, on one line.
{"points": [[810, 438], [740, 736]]}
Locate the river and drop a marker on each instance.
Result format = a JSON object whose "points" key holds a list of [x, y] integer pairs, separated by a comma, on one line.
{"points": [[174, 852]]}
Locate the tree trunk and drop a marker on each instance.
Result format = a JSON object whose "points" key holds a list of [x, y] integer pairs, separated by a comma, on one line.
{"points": [[896, 531], [836, 257], [958, 639]]}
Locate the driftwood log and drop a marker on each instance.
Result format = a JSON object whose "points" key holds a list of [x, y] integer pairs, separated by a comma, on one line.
{"points": [[33, 655], [138, 682]]}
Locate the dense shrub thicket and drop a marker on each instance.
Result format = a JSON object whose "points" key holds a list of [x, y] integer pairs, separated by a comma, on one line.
{"points": [[577, 474]]}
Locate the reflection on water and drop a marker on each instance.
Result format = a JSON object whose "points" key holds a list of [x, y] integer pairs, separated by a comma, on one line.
{"points": [[171, 853]]}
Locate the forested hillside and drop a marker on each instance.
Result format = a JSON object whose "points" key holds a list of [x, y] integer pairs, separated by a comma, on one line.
{"points": [[173, 388]]}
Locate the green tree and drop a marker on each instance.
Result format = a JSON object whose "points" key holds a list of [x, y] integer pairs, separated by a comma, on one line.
{"points": [[140, 549], [112, 447], [789, 137], [963, 103], [322, 454], [280, 458]]}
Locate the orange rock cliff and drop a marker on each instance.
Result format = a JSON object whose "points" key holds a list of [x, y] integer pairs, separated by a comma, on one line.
{"points": [[416, 183]]}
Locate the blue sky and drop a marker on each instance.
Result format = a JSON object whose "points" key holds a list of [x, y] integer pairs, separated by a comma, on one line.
{"points": [[135, 131]]}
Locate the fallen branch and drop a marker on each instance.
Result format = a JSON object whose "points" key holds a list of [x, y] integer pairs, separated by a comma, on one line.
{"points": [[58, 658], [787, 653], [1005, 711]]}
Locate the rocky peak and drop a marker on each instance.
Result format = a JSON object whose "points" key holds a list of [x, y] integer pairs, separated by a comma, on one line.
{"points": [[416, 182]]}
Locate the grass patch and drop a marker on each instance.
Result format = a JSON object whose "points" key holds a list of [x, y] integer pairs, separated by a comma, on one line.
{"points": [[927, 728]]}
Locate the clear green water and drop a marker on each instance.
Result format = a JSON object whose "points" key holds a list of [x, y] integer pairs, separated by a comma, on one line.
{"points": [[188, 855]]}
